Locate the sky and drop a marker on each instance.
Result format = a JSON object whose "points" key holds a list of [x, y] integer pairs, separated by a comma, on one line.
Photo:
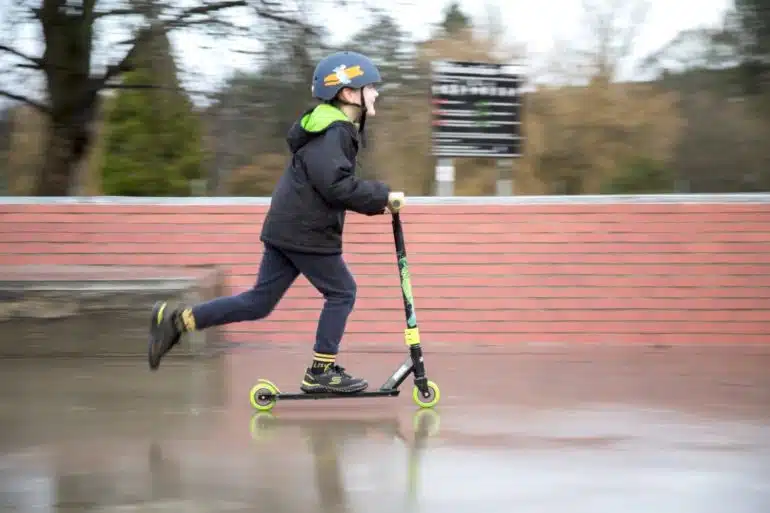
{"points": [[537, 25]]}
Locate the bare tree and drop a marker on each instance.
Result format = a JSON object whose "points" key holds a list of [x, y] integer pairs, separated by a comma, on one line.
{"points": [[71, 43], [589, 129], [610, 30]]}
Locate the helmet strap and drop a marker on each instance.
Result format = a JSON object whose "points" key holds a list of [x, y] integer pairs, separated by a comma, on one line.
{"points": [[362, 122]]}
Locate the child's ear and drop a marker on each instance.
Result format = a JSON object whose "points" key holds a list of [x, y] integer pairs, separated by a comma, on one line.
{"points": [[348, 92], [350, 95]]}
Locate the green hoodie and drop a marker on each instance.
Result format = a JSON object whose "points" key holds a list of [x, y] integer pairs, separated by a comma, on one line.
{"points": [[321, 117]]}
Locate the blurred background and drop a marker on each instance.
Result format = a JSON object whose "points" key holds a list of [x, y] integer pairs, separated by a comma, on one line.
{"points": [[154, 98]]}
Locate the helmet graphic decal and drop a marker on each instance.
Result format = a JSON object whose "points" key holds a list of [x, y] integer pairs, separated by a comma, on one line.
{"points": [[343, 75]]}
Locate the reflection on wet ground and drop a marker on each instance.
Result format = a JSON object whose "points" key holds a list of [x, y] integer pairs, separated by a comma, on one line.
{"points": [[589, 430]]}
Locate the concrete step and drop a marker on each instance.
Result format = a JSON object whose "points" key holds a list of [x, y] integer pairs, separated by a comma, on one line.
{"points": [[97, 310]]}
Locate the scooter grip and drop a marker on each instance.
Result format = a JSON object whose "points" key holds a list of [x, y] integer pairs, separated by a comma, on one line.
{"points": [[396, 203]]}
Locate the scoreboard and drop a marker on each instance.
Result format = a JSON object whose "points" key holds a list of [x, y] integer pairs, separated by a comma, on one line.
{"points": [[476, 109]]}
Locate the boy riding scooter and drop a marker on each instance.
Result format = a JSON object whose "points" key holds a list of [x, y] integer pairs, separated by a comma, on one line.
{"points": [[302, 231]]}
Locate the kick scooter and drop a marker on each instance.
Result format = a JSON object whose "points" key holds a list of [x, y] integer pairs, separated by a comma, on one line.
{"points": [[425, 393]]}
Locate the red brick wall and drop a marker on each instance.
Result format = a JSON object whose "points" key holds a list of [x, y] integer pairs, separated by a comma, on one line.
{"points": [[625, 272]]}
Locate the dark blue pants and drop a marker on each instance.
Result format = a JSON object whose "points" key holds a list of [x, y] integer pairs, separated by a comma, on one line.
{"points": [[327, 273]]}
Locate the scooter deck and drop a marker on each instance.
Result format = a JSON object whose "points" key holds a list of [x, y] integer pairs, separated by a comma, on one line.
{"points": [[331, 395]]}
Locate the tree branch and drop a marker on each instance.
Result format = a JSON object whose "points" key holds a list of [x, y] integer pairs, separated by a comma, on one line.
{"points": [[283, 19], [182, 20], [32, 103], [35, 12], [130, 87], [208, 8], [36, 61], [114, 12], [179, 21]]}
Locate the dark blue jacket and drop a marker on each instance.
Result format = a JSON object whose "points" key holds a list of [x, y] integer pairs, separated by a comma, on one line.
{"points": [[308, 205]]}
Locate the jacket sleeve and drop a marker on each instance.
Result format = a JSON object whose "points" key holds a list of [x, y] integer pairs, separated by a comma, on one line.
{"points": [[331, 170]]}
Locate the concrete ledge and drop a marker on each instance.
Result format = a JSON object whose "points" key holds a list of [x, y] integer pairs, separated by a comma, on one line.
{"points": [[57, 310]]}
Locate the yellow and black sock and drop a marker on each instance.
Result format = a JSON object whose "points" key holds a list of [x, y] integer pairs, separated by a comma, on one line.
{"points": [[321, 362], [184, 320]]}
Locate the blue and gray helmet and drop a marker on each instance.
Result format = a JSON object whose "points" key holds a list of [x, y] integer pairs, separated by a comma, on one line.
{"points": [[343, 69]]}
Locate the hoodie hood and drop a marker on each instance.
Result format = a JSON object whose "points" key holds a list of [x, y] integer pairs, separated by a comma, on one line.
{"points": [[313, 123]]}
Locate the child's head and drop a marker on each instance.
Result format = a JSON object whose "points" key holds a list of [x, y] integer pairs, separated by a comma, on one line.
{"points": [[348, 96], [347, 80]]}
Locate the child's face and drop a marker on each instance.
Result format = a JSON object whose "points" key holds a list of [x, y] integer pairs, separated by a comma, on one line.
{"points": [[354, 97], [370, 96]]}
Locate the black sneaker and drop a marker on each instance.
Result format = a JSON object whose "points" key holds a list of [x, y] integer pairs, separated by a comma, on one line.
{"points": [[164, 333], [333, 379]]}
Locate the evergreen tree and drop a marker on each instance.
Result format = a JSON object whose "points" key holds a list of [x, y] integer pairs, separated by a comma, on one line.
{"points": [[455, 19], [153, 137]]}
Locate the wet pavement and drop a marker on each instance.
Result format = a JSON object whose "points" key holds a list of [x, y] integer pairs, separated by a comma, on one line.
{"points": [[589, 429]]}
